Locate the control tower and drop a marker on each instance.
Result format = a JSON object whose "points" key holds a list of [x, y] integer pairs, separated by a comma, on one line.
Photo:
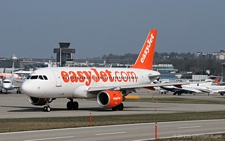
{"points": [[63, 53]]}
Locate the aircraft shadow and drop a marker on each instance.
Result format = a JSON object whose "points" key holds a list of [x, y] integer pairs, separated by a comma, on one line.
{"points": [[90, 109]]}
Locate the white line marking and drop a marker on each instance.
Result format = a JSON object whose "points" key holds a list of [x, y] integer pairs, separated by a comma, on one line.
{"points": [[189, 127], [50, 138], [113, 133], [106, 126]]}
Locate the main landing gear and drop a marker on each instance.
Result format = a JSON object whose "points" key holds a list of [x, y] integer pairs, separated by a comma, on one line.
{"points": [[178, 93], [118, 107], [72, 105], [18, 91]]}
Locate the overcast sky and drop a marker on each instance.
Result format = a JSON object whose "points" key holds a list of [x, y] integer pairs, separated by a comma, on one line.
{"points": [[30, 28]]}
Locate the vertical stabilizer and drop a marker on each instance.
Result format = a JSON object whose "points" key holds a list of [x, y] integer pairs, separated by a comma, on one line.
{"points": [[146, 56]]}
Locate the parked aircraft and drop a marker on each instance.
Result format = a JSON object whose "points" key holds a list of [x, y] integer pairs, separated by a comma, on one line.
{"points": [[195, 87], [8, 79], [8, 84], [108, 85], [217, 89]]}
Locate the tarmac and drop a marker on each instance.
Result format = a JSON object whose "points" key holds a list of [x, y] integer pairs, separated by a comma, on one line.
{"points": [[14, 105]]}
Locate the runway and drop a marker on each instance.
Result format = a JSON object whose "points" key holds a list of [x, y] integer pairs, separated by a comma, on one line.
{"points": [[18, 106], [126, 132]]}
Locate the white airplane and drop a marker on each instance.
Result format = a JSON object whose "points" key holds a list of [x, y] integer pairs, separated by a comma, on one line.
{"points": [[217, 89], [8, 80], [108, 85], [8, 84], [192, 88]]}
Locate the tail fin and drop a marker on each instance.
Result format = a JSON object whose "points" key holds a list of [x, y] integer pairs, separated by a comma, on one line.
{"points": [[217, 80], [146, 56]]}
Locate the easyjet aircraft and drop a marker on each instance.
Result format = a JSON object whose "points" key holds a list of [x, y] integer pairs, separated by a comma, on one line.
{"points": [[108, 85]]}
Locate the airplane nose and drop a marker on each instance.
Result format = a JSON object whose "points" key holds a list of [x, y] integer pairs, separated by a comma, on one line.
{"points": [[6, 86], [25, 87]]}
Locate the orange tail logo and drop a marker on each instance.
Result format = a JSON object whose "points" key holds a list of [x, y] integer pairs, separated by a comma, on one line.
{"points": [[146, 56], [217, 80]]}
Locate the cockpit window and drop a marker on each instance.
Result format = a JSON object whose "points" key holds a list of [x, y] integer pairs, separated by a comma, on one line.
{"points": [[34, 77], [45, 77], [6, 81], [40, 77]]}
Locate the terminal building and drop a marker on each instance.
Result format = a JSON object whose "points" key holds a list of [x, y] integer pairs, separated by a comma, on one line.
{"points": [[164, 68]]}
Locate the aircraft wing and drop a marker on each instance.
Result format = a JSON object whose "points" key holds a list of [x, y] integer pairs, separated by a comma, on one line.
{"points": [[94, 89], [17, 83], [206, 90]]}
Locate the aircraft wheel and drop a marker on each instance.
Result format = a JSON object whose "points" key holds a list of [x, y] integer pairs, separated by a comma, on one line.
{"points": [[46, 109], [120, 107], [75, 105], [69, 105], [114, 108]]}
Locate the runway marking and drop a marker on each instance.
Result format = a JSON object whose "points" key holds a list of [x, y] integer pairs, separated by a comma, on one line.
{"points": [[113, 133], [189, 127], [66, 137], [106, 126]]}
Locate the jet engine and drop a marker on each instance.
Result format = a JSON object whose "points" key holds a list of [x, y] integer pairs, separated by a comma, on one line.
{"points": [[37, 101], [109, 98]]}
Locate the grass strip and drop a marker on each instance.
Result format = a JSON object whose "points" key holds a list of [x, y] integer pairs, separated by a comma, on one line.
{"points": [[206, 137], [25, 124]]}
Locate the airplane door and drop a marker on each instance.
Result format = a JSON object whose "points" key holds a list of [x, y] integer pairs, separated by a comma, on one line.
{"points": [[58, 79], [141, 77]]}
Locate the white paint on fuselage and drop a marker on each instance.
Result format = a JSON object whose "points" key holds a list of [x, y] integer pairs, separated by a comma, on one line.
{"points": [[55, 87]]}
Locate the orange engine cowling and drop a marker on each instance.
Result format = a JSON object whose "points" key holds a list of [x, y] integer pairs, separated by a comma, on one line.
{"points": [[109, 98], [37, 101]]}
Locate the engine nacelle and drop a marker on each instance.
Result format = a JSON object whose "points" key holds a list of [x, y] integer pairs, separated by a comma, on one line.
{"points": [[37, 101], [109, 98]]}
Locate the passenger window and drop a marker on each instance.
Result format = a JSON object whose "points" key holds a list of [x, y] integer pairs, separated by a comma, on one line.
{"points": [[40, 77], [45, 77], [34, 77]]}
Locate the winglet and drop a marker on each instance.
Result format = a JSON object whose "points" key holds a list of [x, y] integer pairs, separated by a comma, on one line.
{"points": [[146, 56]]}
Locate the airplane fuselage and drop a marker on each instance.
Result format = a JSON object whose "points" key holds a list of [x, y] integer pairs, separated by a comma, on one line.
{"points": [[75, 82]]}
